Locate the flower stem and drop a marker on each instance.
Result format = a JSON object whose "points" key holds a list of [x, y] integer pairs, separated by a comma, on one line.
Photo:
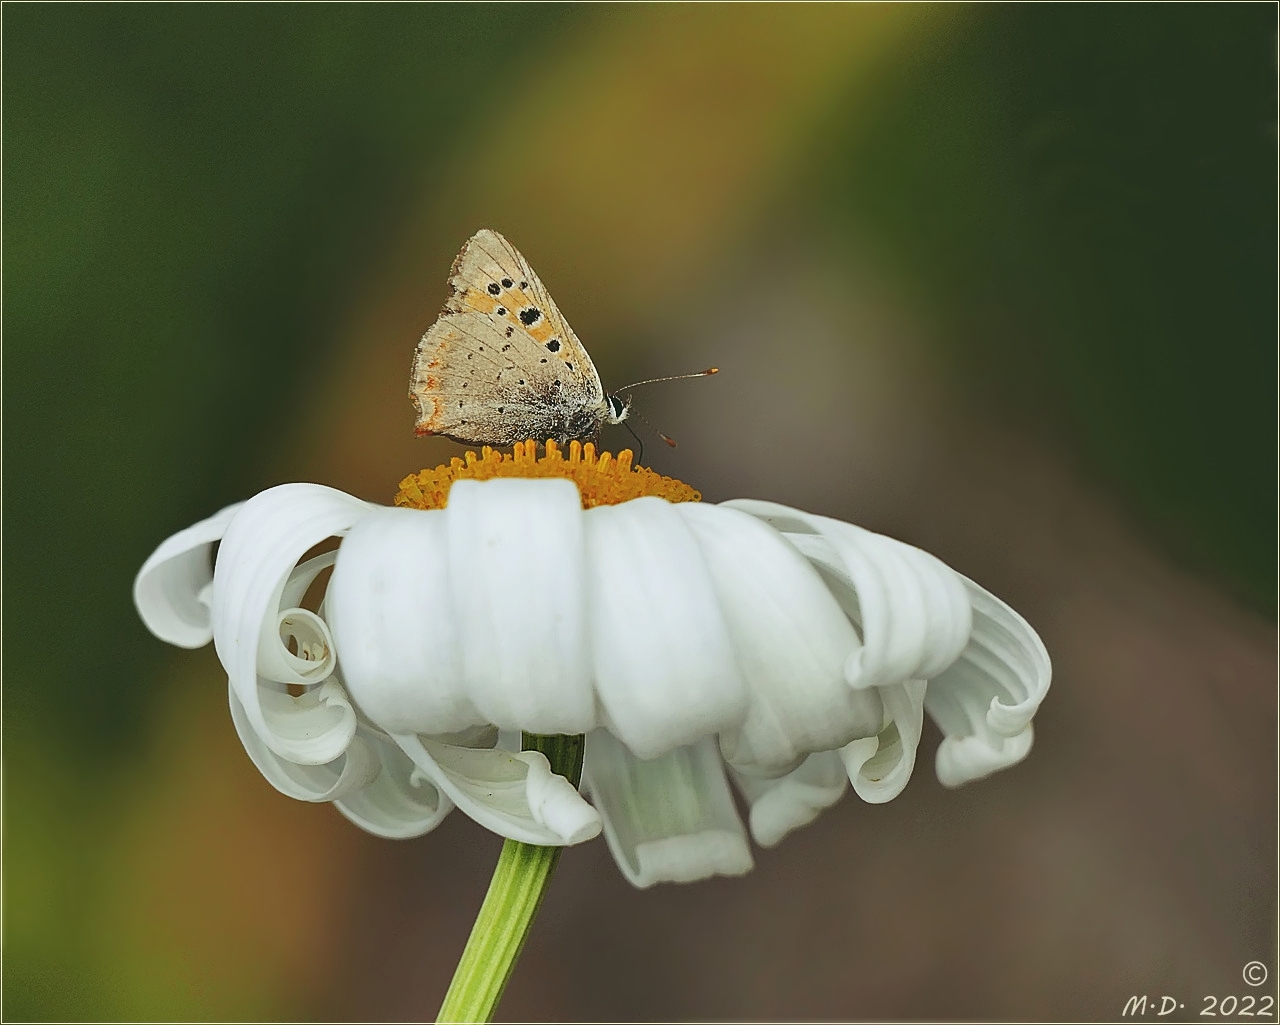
{"points": [[519, 881]]}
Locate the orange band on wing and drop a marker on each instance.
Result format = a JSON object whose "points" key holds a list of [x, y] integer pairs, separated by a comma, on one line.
{"points": [[477, 300]]}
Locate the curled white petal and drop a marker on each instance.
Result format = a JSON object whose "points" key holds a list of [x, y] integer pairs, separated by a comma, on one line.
{"points": [[401, 802], [309, 724], [984, 703], [784, 804], [514, 794], [298, 650], [303, 576], [372, 783], [389, 606], [665, 670], [879, 767], [259, 552], [912, 607], [791, 640], [352, 770], [517, 577], [668, 819], [172, 591]]}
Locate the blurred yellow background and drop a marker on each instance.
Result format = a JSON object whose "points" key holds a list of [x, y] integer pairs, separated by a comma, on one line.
{"points": [[998, 281]]}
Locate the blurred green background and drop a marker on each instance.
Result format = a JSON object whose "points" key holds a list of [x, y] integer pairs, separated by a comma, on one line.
{"points": [[218, 218]]}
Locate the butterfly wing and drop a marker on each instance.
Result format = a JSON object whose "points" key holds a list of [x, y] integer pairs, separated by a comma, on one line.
{"points": [[500, 364]]}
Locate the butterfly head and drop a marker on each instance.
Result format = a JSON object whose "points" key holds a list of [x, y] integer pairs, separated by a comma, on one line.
{"points": [[618, 408]]}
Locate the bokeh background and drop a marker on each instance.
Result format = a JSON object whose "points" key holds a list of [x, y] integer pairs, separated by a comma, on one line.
{"points": [[999, 281]]}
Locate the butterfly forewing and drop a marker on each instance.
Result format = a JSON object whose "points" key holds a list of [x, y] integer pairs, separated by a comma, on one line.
{"points": [[500, 364]]}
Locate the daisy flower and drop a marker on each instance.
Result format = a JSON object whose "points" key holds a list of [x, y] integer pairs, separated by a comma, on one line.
{"points": [[513, 619]]}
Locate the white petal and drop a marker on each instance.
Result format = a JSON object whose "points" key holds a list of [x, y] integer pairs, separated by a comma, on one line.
{"points": [[515, 794], [309, 724], [984, 703], [880, 766], [781, 805], [389, 607], [670, 819], [373, 784], [259, 551], [664, 666], [300, 649], [302, 577], [517, 575], [401, 802], [355, 768], [171, 590], [791, 640], [314, 660], [912, 607]]}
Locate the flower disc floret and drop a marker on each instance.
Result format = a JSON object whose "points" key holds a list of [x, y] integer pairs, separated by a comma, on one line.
{"points": [[601, 479]]}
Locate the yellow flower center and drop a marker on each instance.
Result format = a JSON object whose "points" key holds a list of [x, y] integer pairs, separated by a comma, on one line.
{"points": [[601, 480]]}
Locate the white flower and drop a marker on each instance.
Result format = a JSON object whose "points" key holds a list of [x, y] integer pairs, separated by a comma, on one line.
{"points": [[695, 645]]}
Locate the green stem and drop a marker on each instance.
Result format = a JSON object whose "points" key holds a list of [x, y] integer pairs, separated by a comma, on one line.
{"points": [[519, 881]]}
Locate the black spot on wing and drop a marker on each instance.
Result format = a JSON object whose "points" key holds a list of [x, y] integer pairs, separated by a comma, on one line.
{"points": [[494, 289], [553, 345], [530, 315]]}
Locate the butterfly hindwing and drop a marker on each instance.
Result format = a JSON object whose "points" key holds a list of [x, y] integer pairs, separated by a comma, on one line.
{"points": [[467, 389], [500, 364]]}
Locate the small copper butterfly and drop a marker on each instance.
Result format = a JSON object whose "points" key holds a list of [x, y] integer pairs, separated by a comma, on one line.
{"points": [[500, 365]]}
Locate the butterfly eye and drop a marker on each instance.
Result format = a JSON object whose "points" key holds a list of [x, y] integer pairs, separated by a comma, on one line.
{"points": [[615, 407]]}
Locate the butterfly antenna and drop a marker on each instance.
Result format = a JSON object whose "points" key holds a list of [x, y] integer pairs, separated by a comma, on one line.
{"points": [[668, 440], [678, 377], [655, 380]]}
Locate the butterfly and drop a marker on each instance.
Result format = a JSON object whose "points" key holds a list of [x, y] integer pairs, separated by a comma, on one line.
{"points": [[501, 365]]}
